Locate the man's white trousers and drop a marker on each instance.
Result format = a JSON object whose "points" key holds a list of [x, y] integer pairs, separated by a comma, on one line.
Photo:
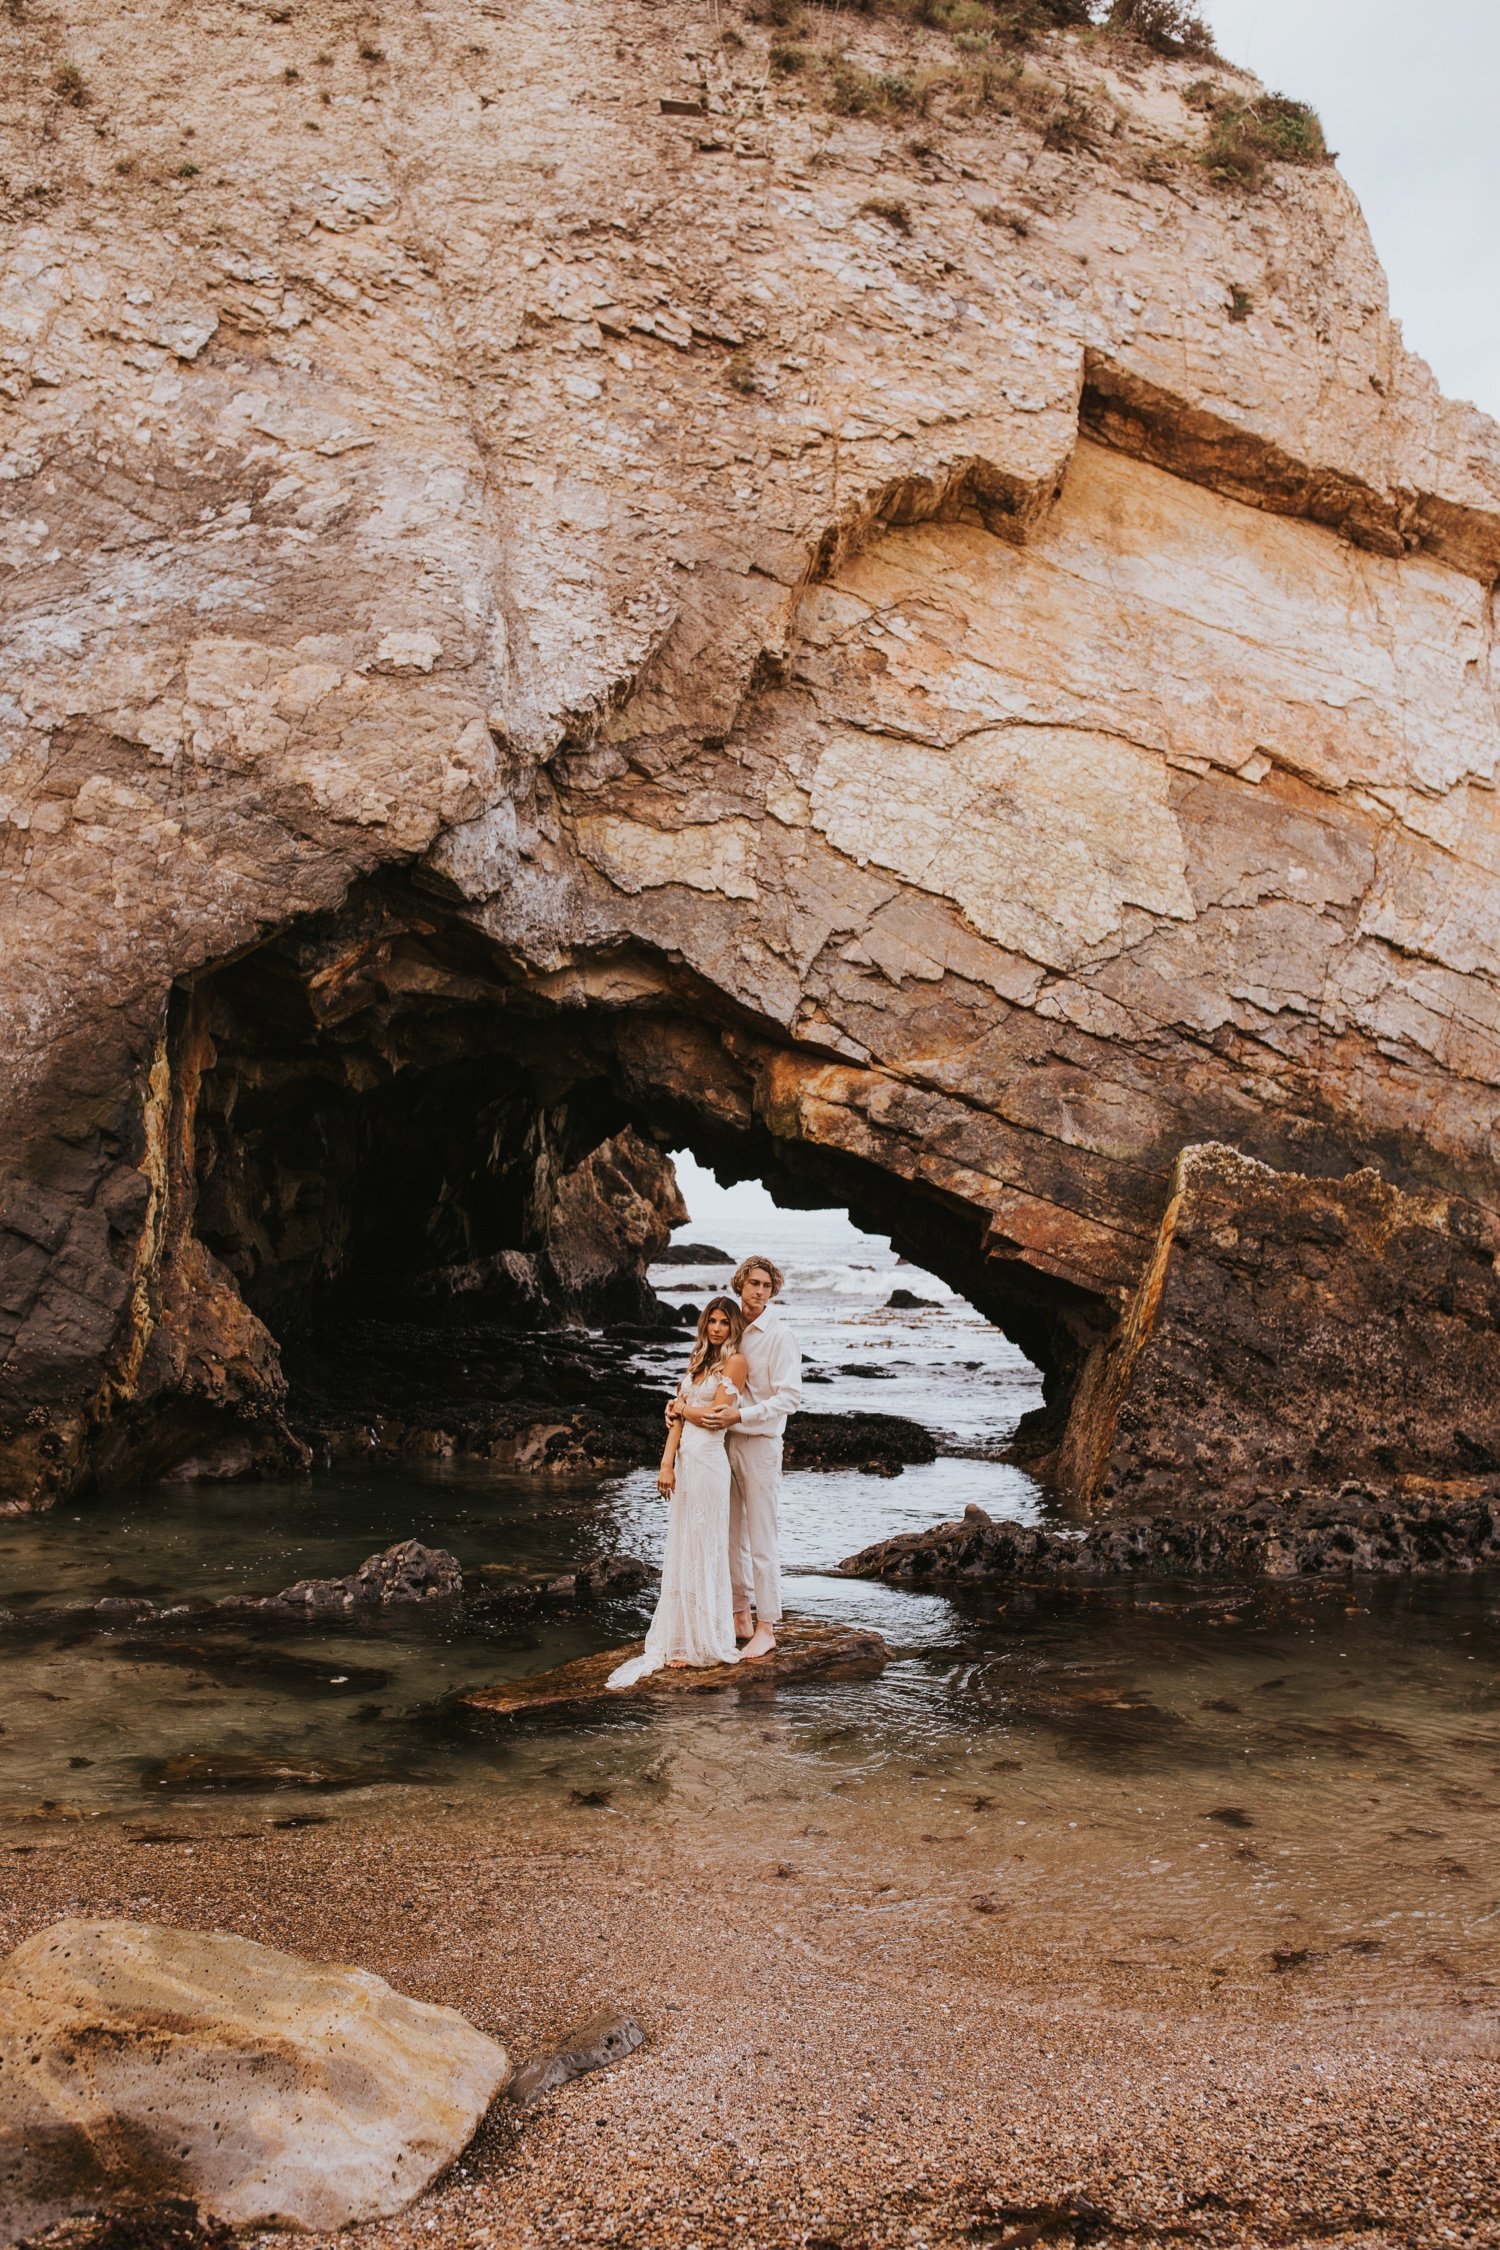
{"points": [[754, 1523]]}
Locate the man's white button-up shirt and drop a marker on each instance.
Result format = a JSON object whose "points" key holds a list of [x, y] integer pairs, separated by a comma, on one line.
{"points": [[773, 1386]]}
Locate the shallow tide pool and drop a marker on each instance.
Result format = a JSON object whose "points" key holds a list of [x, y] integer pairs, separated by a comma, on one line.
{"points": [[1314, 1776]]}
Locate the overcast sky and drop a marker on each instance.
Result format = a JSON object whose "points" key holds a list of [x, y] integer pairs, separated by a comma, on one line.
{"points": [[1409, 93]]}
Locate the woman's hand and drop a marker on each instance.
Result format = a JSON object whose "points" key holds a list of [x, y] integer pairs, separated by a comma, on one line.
{"points": [[666, 1483]]}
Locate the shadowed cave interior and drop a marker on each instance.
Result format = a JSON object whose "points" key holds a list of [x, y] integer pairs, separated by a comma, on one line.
{"points": [[408, 1147]]}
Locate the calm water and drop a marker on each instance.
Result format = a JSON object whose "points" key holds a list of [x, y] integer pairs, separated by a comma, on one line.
{"points": [[1314, 1776]]}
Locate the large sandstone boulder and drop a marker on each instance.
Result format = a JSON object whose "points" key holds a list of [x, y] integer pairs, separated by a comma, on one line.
{"points": [[1289, 1328], [568, 582], [138, 2062]]}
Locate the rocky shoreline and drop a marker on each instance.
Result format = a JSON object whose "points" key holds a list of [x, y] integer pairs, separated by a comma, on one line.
{"points": [[1451, 1527], [551, 1401]]}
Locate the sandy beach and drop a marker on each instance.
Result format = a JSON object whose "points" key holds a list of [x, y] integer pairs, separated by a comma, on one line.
{"points": [[848, 2045]]}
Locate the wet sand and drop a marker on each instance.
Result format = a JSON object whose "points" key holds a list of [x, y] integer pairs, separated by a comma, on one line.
{"points": [[847, 2044]]}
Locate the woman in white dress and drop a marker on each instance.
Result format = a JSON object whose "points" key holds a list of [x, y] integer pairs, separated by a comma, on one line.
{"points": [[694, 1620]]}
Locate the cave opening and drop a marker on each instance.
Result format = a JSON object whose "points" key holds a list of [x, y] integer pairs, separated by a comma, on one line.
{"points": [[405, 1149]]}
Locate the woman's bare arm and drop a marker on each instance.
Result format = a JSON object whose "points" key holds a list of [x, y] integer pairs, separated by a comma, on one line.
{"points": [[666, 1475]]}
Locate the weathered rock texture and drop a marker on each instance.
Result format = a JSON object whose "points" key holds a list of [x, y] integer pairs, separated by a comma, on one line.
{"points": [[1288, 1326], [537, 614], [139, 2063]]}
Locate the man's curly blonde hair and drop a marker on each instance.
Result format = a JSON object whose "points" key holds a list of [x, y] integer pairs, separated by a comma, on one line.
{"points": [[758, 1265]]}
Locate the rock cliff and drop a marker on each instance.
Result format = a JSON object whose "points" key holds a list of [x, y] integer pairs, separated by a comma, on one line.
{"points": [[601, 570]]}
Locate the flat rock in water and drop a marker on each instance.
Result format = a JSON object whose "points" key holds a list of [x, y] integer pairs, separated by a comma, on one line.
{"points": [[804, 1647], [882, 1443], [1428, 1525], [139, 2063]]}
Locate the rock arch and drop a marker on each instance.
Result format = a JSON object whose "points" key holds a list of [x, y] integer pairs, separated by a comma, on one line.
{"points": [[381, 1111]]}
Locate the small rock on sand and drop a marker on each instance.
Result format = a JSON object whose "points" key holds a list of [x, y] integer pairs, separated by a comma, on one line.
{"points": [[593, 2046]]}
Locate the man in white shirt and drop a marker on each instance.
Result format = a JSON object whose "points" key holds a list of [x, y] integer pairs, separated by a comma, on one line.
{"points": [[773, 1390]]}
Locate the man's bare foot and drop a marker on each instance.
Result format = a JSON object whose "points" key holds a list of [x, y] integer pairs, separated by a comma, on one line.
{"points": [[761, 1643], [744, 1625]]}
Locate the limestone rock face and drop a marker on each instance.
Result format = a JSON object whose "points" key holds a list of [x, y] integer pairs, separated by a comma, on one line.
{"points": [[570, 589], [144, 2062]]}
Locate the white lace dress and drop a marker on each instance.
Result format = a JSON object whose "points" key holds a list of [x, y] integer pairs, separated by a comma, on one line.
{"points": [[694, 1620]]}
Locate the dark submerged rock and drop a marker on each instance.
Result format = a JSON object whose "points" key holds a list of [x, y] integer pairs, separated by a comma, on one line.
{"points": [[405, 1573], [203, 1772], [606, 1575], [884, 1442]]}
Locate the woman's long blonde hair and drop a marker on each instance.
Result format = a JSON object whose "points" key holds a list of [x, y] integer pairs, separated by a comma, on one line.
{"points": [[706, 1356]]}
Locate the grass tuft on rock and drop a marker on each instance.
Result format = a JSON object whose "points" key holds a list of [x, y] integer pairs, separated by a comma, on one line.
{"points": [[1165, 26], [890, 210], [69, 84], [1246, 138], [851, 91], [987, 71], [990, 22]]}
